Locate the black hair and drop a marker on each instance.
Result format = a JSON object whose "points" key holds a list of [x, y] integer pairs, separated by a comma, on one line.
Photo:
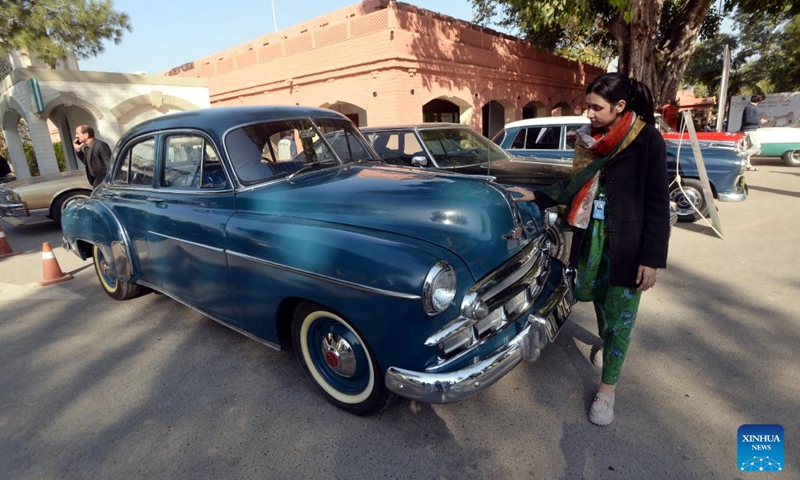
{"points": [[616, 86], [756, 98]]}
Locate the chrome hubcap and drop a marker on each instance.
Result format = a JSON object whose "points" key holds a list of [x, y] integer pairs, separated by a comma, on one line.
{"points": [[686, 199], [339, 355]]}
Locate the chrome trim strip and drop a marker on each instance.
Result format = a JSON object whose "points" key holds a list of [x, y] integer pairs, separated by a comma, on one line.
{"points": [[335, 281], [213, 249], [212, 317], [455, 386]]}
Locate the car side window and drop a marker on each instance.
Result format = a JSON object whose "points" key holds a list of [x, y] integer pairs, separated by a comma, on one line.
{"points": [[519, 140], [542, 138], [396, 148], [572, 136], [191, 163], [137, 164]]}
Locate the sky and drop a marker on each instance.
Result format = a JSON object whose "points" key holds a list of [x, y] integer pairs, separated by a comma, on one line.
{"points": [[168, 33]]}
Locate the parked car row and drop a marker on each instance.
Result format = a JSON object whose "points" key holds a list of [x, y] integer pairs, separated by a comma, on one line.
{"points": [[384, 279], [551, 140], [410, 273], [459, 148]]}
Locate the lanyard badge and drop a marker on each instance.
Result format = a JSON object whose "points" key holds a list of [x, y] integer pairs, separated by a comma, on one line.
{"points": [[599, 208]]}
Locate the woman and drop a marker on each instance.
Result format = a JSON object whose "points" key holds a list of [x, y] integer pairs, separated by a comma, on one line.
{"points": [[619, 208]]}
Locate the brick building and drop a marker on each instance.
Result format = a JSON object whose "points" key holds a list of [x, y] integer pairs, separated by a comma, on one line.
{"points": [[382, 62]]}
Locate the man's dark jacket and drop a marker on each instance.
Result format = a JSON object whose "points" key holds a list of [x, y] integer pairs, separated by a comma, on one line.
{"points": [[750, 118], [98, 154], [637, 209]]}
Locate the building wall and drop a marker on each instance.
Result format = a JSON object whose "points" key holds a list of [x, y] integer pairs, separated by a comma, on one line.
{"points": [[389, 59], [109, 102]]}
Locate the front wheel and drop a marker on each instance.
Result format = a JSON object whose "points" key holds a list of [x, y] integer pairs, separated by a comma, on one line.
{"points": [[792, 158], [338, 361], [691, 195], [114, 287]]}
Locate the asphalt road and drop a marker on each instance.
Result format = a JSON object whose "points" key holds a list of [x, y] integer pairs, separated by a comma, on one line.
{"points": [[94, 388]]}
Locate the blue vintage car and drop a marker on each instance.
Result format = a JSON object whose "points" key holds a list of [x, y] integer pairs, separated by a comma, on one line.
{"points": [[549, 141], [385, 280]]}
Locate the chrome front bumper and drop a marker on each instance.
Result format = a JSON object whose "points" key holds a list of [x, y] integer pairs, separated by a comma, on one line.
{"points": [[455, 386], [13, 210], [738, 195]]}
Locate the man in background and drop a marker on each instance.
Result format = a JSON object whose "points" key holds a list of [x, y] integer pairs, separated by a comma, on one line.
{"points": [[95, 154], [751, 119]]}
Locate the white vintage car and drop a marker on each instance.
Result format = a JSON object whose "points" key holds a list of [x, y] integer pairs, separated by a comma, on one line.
{"points": [[781, 142]]}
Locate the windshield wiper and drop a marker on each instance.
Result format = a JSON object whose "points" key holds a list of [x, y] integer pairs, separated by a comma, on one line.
{"points": [[312, 166]]}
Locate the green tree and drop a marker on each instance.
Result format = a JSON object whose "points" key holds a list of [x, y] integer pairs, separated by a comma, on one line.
{"points": [[765, 55], [653, 38], [50, 29]]}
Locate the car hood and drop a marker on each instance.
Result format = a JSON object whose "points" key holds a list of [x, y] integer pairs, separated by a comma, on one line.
{"points": [[466, 215], [70, 175], [520, 171]]}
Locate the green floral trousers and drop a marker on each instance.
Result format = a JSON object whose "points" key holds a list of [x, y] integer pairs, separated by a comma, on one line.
{"points": [[616, 307]]}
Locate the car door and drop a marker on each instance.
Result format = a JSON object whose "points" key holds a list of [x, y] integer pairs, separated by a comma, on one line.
{"points": [[189, 208], [127, 196]]}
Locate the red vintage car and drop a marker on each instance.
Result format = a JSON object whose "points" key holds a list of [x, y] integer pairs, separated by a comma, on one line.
{"points": [[736, 140]]}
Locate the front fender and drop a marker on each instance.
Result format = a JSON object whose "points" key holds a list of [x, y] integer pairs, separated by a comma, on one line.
{"points": [[87, 223]]}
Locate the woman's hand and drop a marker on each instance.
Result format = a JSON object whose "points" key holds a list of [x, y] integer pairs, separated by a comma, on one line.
{"points": [[645, 278], [525, 194]]}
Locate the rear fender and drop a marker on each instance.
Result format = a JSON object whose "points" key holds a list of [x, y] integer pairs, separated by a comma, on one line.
{"points": [[88, 223]]}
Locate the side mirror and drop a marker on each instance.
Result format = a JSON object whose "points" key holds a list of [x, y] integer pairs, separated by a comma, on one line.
{"points": [[419, 161]]}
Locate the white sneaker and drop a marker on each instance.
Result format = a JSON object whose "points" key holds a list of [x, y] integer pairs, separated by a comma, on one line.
{"points": [[602, 411]]}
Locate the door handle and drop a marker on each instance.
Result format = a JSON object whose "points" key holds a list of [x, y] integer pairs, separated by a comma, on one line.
{"points": [[154, 199]]}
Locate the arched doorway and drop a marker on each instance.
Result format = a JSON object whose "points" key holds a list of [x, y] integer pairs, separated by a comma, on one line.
{"points": [[561, 108], [532, 109], [66, 119], [441, 110], [493, 115], [355, 113]]}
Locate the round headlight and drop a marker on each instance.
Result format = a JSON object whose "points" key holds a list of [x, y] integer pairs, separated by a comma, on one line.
{"points": [[439, 289]]}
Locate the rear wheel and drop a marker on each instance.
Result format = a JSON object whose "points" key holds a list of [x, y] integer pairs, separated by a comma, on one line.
{"points": [[114, 287], [792, 158], [338, 361], [691, 195]]}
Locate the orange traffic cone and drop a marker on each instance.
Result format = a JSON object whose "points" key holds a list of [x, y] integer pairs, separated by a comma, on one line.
{"points": [[5, 247], [52, 272]]}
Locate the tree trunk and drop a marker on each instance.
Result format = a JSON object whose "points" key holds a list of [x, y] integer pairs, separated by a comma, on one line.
{"points": [[660, 66], [676, 48], [646, 17]]}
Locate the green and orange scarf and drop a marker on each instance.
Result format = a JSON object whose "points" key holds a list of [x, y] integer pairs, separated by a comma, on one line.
{"points": [[593, 151]]}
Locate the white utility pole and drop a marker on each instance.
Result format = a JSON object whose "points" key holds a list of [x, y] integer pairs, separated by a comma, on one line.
{"points": [[723, 87]]}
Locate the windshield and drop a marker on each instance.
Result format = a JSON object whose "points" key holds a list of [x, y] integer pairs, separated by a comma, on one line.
{"points": [[460, 147], [270, 150]]}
